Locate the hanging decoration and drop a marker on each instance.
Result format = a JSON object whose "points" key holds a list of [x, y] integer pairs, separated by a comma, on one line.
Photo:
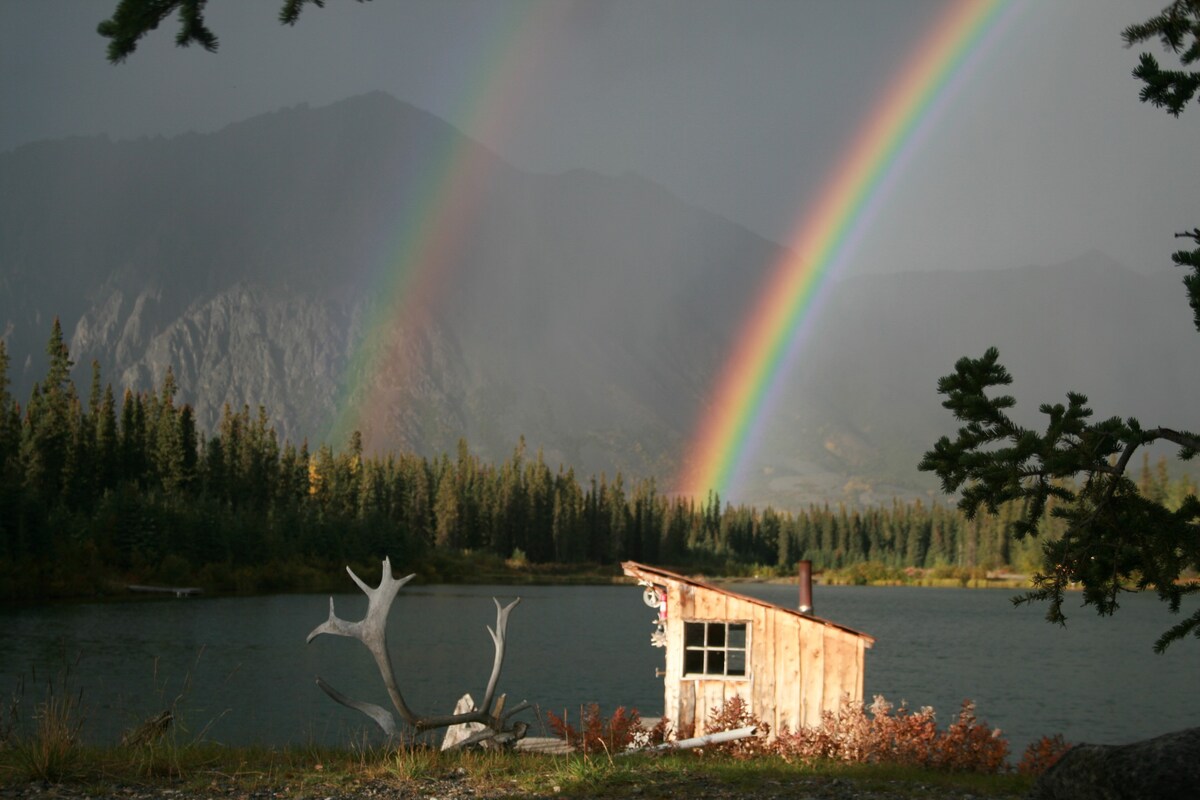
{"points": [[656, 597]]}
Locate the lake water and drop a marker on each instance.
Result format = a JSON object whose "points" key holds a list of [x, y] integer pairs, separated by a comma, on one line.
{"points": [[238, 670]]}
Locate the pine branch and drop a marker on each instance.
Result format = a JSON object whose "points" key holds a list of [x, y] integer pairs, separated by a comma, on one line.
{"points": [[1190, 442], [133, 19]]}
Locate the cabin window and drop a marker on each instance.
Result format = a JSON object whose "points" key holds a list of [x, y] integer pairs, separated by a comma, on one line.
{"points": [[715, 648]]}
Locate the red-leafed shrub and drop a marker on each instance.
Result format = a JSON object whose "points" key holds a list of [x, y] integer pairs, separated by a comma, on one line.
{"points": [[1043, 754], [879, 733], [840, 736], [969, 745], [898, 736], [730, 716], [595, 732], [894, 735]]}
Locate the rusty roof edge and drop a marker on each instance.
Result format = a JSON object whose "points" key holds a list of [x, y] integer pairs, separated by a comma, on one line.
{"points": [[635, 570]]}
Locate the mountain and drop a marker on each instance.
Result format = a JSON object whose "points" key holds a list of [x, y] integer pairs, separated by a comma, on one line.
{"points": [[588, 313], [580, 310]]}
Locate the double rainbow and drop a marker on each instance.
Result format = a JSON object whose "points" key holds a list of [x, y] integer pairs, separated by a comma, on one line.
{"points": [[825, 235]]}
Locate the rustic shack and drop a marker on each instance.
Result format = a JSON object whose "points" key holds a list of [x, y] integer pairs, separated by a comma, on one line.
{"points": [[788, 666]]}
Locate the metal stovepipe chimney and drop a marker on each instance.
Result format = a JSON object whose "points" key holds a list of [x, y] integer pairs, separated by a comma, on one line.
{"points": [[806, 603]]}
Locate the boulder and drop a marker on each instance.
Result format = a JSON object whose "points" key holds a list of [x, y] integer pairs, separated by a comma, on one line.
{"points": [[1166, 766]]}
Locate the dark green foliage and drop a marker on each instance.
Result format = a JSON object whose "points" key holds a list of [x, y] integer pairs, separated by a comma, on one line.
{"points": [[46, 446], [133, 19], [1191, 259], [160, 501], [1115, 538], [1178, 30]]}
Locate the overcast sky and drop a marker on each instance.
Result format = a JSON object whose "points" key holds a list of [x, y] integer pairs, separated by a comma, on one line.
{"points": [[739, 107]]}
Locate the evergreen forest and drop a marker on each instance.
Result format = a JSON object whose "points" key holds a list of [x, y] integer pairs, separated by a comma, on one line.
{"points": [[97, 493]]}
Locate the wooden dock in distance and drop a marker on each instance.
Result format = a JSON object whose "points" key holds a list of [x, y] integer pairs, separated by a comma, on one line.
{"points": [[178, 591]]}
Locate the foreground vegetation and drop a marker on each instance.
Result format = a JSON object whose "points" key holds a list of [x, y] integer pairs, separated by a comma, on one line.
{"points": [[208, 770], [846, 752], [94, 497]]}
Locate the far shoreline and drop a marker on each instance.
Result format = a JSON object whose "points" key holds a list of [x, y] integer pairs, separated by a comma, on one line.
{"points": [[495, 572]]}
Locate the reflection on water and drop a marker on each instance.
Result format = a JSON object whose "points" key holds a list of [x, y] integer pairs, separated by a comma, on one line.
{"points": [[239, 667]]}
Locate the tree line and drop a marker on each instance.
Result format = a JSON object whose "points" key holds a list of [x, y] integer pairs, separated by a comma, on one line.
{"points": [[94, 492]]}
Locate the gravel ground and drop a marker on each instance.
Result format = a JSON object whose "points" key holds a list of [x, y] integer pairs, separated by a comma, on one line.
{"points": [[453, 787]]}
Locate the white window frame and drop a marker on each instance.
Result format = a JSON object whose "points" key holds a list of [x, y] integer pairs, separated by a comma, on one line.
{"points": [[706, 648]]}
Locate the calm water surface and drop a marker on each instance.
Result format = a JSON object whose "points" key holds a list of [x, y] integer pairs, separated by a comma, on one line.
{"points": [[1095, 680], [238, 668]]}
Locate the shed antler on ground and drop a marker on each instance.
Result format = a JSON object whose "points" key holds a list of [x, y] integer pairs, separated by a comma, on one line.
{"points": [[371, 630]]}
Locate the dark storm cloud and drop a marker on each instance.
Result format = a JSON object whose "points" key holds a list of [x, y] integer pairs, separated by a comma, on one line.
{"points": [[741, 108]]}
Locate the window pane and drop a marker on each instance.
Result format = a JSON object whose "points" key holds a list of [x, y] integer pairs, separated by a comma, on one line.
{"points": [[716, 648]]}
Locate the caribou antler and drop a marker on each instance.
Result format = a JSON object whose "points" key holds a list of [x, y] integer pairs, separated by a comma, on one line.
{"points": [[372, 632]]}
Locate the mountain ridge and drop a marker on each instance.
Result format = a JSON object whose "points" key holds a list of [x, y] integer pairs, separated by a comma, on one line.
{"points": [[588, 313]]}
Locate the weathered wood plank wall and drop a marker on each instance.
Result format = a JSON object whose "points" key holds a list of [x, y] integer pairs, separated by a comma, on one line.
{"points": [[798, 666]]}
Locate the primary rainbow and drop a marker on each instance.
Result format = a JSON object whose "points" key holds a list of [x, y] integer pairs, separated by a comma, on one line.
{"points": [[826, 233]]}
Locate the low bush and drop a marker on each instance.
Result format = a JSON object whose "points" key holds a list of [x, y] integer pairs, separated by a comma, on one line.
{"points": [[597, 733], [969, 745], [879, 733], [732, 715], [1042, 755]]}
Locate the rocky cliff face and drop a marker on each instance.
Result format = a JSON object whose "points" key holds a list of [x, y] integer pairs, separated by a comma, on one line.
{"points": [[240, 345], [588, 313]]}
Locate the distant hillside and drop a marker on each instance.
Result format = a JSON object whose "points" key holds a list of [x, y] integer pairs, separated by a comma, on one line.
{"points": [[588, 313], [864, 402]]}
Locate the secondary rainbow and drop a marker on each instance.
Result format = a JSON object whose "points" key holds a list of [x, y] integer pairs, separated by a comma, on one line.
{"points": [[418, 252], [825, 235]]}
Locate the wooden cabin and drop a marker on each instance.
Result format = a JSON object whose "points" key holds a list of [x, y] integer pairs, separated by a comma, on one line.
{"points": [[788, 666]]}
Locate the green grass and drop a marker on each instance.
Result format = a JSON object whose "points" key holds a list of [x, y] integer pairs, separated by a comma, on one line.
{"points": [[44, 748], [316, 771]]}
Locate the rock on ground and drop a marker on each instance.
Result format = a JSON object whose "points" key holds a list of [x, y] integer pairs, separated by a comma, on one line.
{"points": [[1166, 766]]}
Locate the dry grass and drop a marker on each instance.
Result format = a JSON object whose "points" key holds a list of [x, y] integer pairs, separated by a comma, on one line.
{"points": [[47, 748]]}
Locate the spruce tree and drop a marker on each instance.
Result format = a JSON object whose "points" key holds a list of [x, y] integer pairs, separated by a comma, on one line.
{"points": [[1114, 539], [10, 466], [447, 533], [9, 431], [168, 447], [48, 429]]}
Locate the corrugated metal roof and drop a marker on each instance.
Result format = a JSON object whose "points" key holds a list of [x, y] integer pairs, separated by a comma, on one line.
{"points": [[643, 572]]}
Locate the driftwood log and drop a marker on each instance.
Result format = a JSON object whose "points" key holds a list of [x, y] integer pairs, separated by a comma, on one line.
{"points": [[149, 731], [372, 632]]}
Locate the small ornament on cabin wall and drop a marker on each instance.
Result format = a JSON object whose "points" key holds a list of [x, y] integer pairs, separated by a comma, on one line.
{"points": [[656, 597]]}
